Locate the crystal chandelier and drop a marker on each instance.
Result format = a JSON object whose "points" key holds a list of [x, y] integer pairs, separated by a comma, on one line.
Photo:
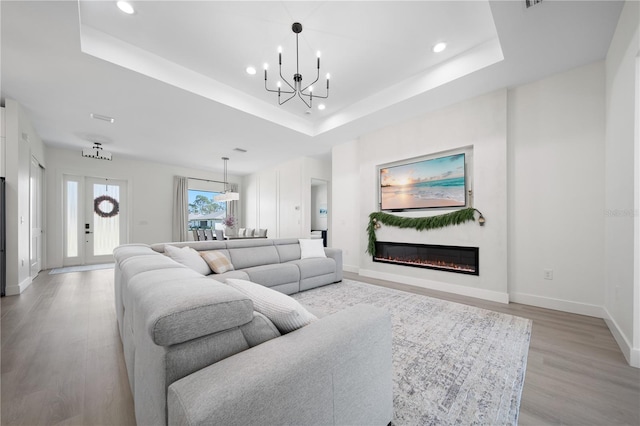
{"points": [[296, 89], [227, 195]]}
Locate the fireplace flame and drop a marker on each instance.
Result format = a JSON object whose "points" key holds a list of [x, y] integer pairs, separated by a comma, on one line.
{"points": [[432, 263]]}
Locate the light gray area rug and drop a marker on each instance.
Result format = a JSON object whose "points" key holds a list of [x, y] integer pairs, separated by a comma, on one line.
{"points": [[453, 364], [81, 268]]}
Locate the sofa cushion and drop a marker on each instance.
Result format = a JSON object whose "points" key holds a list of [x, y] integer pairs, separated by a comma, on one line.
{"points": [[311, 248], [315, 266], [241, 275], [274, 274], [260, 330], [196, 245], [285, 312], [179, 310], [189, 258], [288, 250], [246, 257], [130, 250], [217, 261]]}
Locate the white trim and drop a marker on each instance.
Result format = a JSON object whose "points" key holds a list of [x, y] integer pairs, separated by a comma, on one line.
{"points": [[631, 354], [636, 224], [558, 304], [13, 290], [494, 296]]}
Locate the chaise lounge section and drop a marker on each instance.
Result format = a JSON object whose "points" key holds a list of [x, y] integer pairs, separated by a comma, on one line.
{"points": [[198, 353]]}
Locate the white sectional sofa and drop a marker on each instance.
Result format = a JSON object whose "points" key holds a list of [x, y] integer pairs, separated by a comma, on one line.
{"points": [[198, 353]]}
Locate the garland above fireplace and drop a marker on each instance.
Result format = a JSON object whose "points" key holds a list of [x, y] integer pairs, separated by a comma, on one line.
{"points": [[376, 219]]}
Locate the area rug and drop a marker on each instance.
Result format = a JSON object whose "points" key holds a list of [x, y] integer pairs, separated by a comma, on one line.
{"points": [[453, 364], [81, 268]]}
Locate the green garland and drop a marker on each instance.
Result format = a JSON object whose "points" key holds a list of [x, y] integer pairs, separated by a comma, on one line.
{"points": [[418, 223]]}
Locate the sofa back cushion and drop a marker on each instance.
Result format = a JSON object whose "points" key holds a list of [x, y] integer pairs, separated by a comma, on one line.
{"points": [[248, 257], [196, 245], [288, 249]]}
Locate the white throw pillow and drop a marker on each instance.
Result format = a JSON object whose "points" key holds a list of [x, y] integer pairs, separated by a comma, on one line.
{"points": [[189, 258], [283, 311], [311, 248]]}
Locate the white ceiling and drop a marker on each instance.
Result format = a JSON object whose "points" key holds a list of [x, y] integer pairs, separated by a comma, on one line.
{"points": [[173, 74]]}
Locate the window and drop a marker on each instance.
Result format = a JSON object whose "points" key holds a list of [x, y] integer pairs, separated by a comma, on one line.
{"points": [[204, 213]]}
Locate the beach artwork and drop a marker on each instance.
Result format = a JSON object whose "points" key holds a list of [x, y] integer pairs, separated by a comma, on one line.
{"points": [[439, 182]]}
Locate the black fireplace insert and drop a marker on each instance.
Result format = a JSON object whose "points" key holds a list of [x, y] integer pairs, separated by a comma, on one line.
{"points": [[462, 260]]}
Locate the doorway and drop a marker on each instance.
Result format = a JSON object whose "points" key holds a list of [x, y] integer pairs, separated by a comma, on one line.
{"points": [[95, 212], [319, 209], [36, 180]]}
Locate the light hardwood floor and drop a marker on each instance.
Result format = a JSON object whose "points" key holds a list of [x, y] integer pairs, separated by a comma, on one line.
{"points": [[62, 361]]}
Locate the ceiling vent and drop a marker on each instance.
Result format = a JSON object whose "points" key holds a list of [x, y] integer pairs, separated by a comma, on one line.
{"points": [[530, 3], [96, 152]]}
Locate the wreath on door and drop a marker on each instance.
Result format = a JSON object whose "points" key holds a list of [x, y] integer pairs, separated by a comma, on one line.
{"points": [[115, 206]]}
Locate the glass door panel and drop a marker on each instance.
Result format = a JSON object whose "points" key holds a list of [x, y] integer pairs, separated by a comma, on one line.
{"points": [[105, 219]]}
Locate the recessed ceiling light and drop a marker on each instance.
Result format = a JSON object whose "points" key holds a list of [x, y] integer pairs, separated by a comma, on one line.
{"points": [[439, 47], [251, 70], [126, 7], [321, 107]]}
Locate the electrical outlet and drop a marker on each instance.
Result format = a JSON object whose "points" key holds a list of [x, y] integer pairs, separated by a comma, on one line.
{"points": [[548, 274]]}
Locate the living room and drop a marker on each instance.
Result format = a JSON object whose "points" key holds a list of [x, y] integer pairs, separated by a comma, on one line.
{"points": [[554, 168]]}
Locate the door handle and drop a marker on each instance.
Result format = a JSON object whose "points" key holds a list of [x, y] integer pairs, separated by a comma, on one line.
{"points": [[88, 232]]}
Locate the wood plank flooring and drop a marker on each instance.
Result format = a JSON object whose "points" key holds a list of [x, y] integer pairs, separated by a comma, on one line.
{"points": [[62, 362]]}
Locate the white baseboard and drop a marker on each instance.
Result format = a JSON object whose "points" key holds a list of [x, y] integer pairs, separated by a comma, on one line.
{"points": [[350, 268], [558, 304], [494, 296], [13, 290], [630, 353]]}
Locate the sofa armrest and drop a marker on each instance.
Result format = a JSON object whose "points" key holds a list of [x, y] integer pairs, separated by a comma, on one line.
{"points": [[335, 254], [336, 370]]}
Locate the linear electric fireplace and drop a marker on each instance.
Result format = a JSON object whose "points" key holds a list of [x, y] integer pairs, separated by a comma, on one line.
{"points": [[463, 260]]}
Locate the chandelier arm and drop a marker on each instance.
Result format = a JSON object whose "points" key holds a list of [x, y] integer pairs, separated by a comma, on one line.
{"points": [[288, 99], [305, 102], [276, 90], [285, 80], [315, 95], [312, 83]]}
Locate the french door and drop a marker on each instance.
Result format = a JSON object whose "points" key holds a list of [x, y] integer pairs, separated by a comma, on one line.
{"points": [[95, 219]]}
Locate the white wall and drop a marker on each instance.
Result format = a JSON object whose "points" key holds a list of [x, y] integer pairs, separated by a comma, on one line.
{"points": [[279, 198], [150, 194], [344, 217], [622, 254], [556, 191], [22, 142], [478, 122]]}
